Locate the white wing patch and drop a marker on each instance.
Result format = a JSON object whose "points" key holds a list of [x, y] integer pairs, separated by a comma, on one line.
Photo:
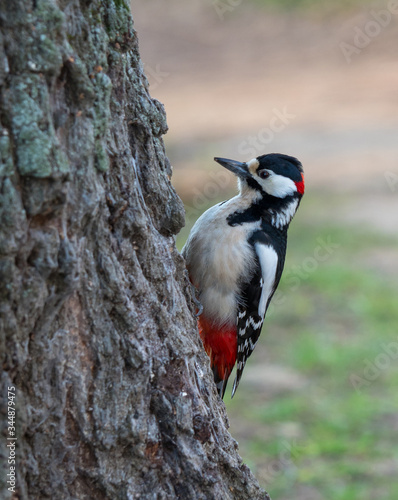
{"points": [[268, 262], [249, 320]]}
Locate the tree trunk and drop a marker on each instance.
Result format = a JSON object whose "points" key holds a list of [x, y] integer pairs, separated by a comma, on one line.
{"points": [[114, 395]]}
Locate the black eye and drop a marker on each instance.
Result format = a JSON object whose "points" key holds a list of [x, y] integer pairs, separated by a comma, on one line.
{"points": [[263, 174]]}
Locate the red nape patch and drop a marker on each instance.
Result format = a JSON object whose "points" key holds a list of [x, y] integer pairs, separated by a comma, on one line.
{"points": [[300, 185], [220, 343]]}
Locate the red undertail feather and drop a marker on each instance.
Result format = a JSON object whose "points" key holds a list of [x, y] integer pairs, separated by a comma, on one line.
{"points": [[220, 343]]}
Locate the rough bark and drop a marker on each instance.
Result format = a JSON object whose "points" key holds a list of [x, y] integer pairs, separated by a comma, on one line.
{"points": [[114, 396]]}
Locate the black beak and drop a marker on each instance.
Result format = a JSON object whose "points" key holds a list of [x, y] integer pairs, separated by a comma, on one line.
{"points": [[236, 167]]}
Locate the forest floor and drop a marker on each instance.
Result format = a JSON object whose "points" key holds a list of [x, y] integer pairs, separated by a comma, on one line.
{"points": [[315, 414]]}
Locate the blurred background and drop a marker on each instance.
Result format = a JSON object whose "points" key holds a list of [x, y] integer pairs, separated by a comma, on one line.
{"points": [[316, 411]]}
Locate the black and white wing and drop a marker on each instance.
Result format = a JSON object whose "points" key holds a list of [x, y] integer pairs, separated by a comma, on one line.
{"points": [[255, 298]]}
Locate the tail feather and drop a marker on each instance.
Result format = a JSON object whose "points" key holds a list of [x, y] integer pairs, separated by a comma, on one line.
{"points": [[221, 384], [235, 386]]}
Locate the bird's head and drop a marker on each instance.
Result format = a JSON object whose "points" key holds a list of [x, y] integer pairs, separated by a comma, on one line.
{"points": [[275, 174]]}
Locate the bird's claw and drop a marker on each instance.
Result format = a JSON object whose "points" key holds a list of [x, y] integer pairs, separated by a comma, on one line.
{"points": [[196, 301], [200, 308]]}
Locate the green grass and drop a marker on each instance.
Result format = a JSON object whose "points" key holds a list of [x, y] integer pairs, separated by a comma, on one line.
{"points": [[331, 320]]}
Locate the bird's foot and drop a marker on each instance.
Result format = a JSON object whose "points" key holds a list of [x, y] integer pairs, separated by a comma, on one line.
{"points": [[196, 301]]}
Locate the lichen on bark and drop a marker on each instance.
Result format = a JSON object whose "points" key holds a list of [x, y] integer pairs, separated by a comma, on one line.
{"points": [[115, 398]]}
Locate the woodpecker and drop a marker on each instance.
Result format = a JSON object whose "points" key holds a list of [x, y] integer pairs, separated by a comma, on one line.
{"points": [[235, 255]]}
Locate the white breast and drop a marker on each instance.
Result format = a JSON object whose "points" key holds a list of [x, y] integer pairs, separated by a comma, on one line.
{"points": [[217, 256]]}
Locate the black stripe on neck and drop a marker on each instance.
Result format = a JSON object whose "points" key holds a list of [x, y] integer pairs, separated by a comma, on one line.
{"points": [[260, 209]]}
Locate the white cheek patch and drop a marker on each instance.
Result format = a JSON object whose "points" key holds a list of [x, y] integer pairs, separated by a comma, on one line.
{"points": [[279, 186]]}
